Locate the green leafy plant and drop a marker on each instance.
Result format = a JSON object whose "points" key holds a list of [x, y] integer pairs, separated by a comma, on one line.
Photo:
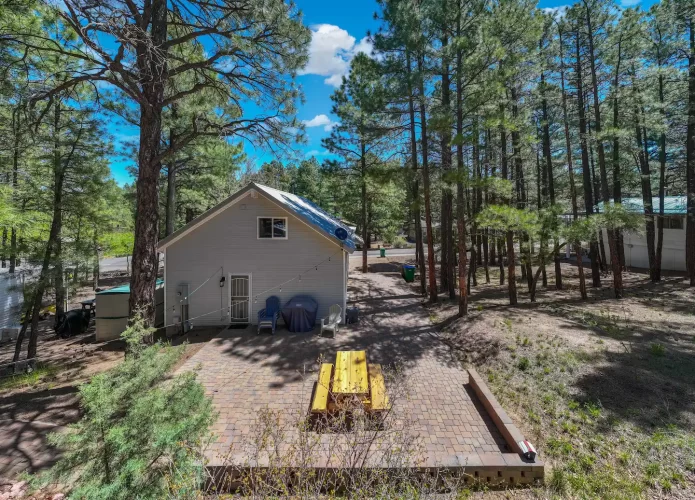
{"points": [[523, 363], [139, 429], [657, 349]]}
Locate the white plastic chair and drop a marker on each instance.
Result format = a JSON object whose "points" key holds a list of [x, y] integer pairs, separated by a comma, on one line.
{"points": [[334, 318]]}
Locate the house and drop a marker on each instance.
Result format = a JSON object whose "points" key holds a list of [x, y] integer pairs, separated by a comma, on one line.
{"points": [[635, 244], [220, 267]]}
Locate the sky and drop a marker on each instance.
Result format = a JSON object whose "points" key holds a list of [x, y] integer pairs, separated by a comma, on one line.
{"points": [[338, 34]]}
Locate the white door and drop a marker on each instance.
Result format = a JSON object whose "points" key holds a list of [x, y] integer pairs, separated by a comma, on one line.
{"points": [[240, 304]]}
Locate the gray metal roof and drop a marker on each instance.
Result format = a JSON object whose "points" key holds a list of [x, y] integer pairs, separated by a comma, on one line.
{"points": [[673, 205], [311, 213]]}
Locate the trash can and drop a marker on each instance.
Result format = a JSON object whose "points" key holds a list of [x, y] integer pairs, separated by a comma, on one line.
{"points": [[382, 252], [408, 273], [352, 315]]}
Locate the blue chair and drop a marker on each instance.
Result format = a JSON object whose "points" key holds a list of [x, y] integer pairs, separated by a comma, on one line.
{"points": [[268, 317]]}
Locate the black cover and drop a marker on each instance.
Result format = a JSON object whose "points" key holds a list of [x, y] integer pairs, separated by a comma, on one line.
{"points": [[299, 313]]}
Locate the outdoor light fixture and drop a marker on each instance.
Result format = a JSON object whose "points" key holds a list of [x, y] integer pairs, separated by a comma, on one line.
{"points": [[222, 280]]}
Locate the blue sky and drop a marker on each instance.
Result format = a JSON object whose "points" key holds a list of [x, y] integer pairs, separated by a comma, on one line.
{"points": [[339, 31]]}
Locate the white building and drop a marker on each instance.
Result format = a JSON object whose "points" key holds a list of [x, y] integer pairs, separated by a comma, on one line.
{"points": [[673, 253], [259, 242]]}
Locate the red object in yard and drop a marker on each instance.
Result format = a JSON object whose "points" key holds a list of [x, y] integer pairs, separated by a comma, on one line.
{"points": [[527, 450]]}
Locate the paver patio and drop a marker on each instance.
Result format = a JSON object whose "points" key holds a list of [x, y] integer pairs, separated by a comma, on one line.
{"points": [[245, 373]]}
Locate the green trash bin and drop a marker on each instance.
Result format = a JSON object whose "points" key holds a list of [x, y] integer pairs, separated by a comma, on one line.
{"points": [[408, 273], [382, 252]]}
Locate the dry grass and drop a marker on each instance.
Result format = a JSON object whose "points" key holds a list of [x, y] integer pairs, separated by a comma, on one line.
{"points": [[604, 388]]}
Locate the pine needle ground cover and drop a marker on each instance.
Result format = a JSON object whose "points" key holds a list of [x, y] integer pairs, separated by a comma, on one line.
{"points": [[604, 388]]}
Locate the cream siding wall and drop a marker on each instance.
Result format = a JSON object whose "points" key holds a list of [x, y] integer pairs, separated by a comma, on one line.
{"points": [[635, 244], [228, 243]]}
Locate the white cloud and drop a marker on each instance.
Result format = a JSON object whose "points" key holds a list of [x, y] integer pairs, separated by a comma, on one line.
{"points": [[364, 45], [557, 12], [316, 152], [320, 121], [330, 52]]}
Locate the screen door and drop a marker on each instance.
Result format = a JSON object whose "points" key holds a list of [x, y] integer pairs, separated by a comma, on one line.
{"points": [[239, 307]]}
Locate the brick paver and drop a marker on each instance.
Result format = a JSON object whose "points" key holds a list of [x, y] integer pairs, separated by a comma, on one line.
{"points": [[244, 373]]}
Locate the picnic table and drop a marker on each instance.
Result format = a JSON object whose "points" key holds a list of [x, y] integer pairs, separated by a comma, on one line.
{"points": [[352, 378]]}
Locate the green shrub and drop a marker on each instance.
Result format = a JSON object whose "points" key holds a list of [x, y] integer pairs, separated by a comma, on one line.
{"points": [[141, 430], [657, 349], [558, 481], [399, 242], [523, 363]]}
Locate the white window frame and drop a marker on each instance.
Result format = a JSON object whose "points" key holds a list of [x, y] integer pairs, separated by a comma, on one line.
{"points": [[272, 233]]}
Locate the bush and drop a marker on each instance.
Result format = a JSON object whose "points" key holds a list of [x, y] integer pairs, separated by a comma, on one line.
{"points": [[657, 349], [400, 242], [138, 424], [523, 363]]}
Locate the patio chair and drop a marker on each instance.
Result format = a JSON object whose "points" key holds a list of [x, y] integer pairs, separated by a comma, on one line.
{"points": [[268, 316], [334, 318]]}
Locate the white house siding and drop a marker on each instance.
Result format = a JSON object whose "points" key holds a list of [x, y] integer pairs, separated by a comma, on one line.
{"points": [[229, 241], [673, 253]]}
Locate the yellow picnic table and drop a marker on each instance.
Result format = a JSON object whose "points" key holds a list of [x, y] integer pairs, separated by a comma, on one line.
{"points": [[352, 377]]}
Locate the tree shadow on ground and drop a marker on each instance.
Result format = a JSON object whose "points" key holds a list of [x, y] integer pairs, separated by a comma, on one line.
{"points": [[26, 419], [393, 328], [646, 376]]}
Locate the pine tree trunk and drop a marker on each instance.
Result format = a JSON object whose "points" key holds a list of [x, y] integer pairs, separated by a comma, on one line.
{"points": [[509, 236], [426, 186], [570, 168], [500, 259], [3, 251], [690, 160], [446, 261], [419, 247], [95, 270], [542, 195], [460, 174], [15, 172], [58, 220], [363, 183], [662, 187], [145, 258], [617, 182], [35, 305], [171, 200], [646, 184], [612, 243], [588, 191]]}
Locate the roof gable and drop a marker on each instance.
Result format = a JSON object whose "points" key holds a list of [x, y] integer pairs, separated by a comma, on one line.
{"points": [[308, 212]]}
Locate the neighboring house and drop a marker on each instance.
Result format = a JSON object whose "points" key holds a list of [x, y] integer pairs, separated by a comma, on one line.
{"points": [[220, 268], [673, 253]]}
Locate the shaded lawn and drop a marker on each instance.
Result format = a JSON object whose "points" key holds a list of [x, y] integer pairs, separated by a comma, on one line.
{"points": [[604, 388]]}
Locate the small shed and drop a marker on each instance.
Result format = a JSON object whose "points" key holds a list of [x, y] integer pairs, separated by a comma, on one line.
{"points": [[112, 310]]}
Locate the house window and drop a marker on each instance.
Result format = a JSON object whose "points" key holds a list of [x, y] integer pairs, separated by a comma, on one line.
{"points": [[674, 223], [272, 228]]}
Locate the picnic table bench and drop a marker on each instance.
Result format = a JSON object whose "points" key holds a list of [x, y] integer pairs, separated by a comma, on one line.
{"points": [[351, 377]]}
